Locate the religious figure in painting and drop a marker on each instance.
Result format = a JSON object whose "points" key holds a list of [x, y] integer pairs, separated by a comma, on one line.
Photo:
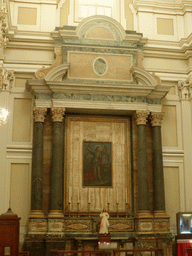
{"points": [[97, 164], [104, 225]]}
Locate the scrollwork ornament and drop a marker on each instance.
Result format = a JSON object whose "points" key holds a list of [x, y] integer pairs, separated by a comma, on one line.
{"points": [[141, 117], [156, 118], [39, 114], [57, 114]]}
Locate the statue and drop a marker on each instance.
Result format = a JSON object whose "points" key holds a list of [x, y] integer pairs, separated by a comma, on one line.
{"points": [[104, 222]]}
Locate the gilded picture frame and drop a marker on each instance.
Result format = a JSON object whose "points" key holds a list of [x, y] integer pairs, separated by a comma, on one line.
{"points": [[97, 164]]}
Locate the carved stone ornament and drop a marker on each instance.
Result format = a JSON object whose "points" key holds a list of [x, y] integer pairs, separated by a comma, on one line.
{"points": [[185, 88], [6, 79], [39, 114], [156, 118], [3, 26], [141, 117], [57, 114]]}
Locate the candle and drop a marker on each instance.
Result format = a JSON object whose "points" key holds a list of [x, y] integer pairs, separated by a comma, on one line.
{"points": [[70, 194], [126, 196], [89, 199]]}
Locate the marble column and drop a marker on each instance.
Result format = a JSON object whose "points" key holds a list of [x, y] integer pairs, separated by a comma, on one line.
{"points": [[158, 179], [37, 164], [56, 200], [143, 190]]}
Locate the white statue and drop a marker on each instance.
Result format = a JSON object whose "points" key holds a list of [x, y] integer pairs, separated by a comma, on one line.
{"points": [[104, 222]]}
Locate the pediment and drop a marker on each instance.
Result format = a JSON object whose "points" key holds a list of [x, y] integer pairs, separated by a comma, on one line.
{"points": [[98, 65]]}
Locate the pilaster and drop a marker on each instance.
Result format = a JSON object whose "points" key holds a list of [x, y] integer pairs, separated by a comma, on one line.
{"points": [[185, 93]]}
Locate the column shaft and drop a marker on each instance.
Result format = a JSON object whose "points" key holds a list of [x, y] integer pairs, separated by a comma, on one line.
{"points": [[159, 196], [37, 164], [57, 168], [143, 190], [56, 202]]}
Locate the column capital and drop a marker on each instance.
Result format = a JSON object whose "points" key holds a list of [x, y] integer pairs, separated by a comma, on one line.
{"points": [[156, 118], [39, 114], [57, 114], [141, 116]]}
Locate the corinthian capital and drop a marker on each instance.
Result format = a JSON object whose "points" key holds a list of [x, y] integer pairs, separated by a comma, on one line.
{"points": [[156, 118], [57, 114], [141, 116], [39, 114]]}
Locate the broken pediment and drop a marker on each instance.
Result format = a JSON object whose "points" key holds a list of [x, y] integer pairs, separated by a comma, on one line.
{"points": [[98, 61]]}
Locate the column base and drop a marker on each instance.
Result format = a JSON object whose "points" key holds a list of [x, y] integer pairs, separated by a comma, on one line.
{"points": [[144, 214], [56, 214], [36, 214], [160, 214]]}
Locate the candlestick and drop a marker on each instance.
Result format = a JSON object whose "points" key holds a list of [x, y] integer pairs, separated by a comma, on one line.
{"points": [[108, 197], [89, 199], [89, 208], [70, 194], [69, 209], [117, 196], [78, 210], [77, 195]]}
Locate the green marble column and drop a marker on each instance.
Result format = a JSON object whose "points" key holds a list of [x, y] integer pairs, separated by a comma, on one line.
{"points": [[159, 195], [56, 201], [143, 190], [37, 163]]}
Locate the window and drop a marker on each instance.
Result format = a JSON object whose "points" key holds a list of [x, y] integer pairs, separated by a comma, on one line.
{"points": [[95, 7]]}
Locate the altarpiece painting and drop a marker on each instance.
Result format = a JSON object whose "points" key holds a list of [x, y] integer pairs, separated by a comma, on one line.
{"points": [[97, 170]]}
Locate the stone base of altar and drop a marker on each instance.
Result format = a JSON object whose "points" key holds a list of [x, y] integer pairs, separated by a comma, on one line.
{"points": [[82, 233]]}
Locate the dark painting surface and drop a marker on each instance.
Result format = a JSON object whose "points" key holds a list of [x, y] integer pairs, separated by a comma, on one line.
{"points": [[97, 164]]}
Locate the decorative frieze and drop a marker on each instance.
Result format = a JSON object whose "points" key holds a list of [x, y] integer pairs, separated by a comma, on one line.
{"points": [[57, 114], [39, 114], [156, 118], [141, 117]]}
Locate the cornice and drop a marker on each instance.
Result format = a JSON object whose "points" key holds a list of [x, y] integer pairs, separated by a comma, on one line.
{"points": [[162, 7]]}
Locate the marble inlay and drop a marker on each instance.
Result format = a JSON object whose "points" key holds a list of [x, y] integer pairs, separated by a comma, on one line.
{"points": [[100, 66]]}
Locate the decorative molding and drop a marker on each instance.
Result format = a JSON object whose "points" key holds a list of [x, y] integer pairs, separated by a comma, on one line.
{"points": [[156, 118], [141, 117], [41, 73], [57, 114], [57, 73], [39, 114], [121, 226], [76, 226]]}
